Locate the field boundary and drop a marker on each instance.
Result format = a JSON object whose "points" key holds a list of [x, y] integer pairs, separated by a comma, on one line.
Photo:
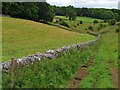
{"points": [[51, 54], [66, 28]]}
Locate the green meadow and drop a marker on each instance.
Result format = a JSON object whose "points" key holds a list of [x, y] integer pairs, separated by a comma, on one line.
{"points": [[62, 69], [56, 73], [23, 37], [84, 19], [27, 37], [82, 28], [29, 28]]}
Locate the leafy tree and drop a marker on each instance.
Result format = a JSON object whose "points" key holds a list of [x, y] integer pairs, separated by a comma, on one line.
{"points": [[112, 22], [108, 15], [96, 13], [70, 12], [26, 10], [61, 11], [45, 12], [117, 16], [5, 8], [29, 10], [84, 12]]}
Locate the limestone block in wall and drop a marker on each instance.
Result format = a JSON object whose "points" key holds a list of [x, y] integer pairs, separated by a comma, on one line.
{"points": [[6, 65], [40, 55], [59, 50]]}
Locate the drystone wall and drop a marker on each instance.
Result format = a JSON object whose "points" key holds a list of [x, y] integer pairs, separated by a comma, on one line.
{"points": [[51, 54]]}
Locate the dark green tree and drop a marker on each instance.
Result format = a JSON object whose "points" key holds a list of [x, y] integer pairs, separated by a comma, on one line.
{"points": [[112, 22], [117, 16], [90, 28], [45, 12], [71, 13], [81, 22], [29, 10], [108, 15]]}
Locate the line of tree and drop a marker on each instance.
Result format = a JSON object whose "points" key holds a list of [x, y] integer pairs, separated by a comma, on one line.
{"points": [[42, 11], [37, 11], [99, 13]]}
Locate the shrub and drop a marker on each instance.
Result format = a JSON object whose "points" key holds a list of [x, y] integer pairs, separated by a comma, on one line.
{"points": [[112, 22], [95, 21], [86, 29], [57, 20], [60, 19], [118, 24], [64, 23], [90, 28], [74, 25], [105, 21], [117, 30], [78, 24], [101, 26], [98, 28], [105, 25], [81, 22]]}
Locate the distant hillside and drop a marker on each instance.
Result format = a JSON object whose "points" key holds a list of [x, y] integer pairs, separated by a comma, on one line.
{"points": [[85, 19]]}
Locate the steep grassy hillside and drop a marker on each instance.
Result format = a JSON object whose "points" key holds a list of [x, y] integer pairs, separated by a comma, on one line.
{"points": [[24, 37]]}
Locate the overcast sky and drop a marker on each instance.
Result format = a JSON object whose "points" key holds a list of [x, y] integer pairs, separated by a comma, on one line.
{"points": [[86, 3]]}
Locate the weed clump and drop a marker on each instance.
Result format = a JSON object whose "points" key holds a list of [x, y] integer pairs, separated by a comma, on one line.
{"points": [[90, 28], [95, 21], [112, 22], [62, 22], [117, 30], [81, 22]]}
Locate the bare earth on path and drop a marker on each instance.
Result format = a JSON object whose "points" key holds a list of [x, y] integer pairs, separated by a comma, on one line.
{"points": [[114, 72], [80, 74]]}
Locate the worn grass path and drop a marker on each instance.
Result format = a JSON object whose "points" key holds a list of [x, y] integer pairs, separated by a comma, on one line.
{"points": [[81, 74], [103, 71]]}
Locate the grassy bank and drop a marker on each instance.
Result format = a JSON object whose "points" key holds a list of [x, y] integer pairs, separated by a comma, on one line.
{"points": [[100, 75], [84, 26], [23, 37], [84, 19], [51, 73]]}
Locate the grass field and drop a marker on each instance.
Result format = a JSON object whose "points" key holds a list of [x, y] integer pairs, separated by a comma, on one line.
{"points": [[83, 28], [84, 19], [62, 69], [24, 37], [50, 73]]}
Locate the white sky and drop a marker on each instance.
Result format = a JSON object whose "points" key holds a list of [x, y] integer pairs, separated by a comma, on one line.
{"points": [[86, 3]]}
